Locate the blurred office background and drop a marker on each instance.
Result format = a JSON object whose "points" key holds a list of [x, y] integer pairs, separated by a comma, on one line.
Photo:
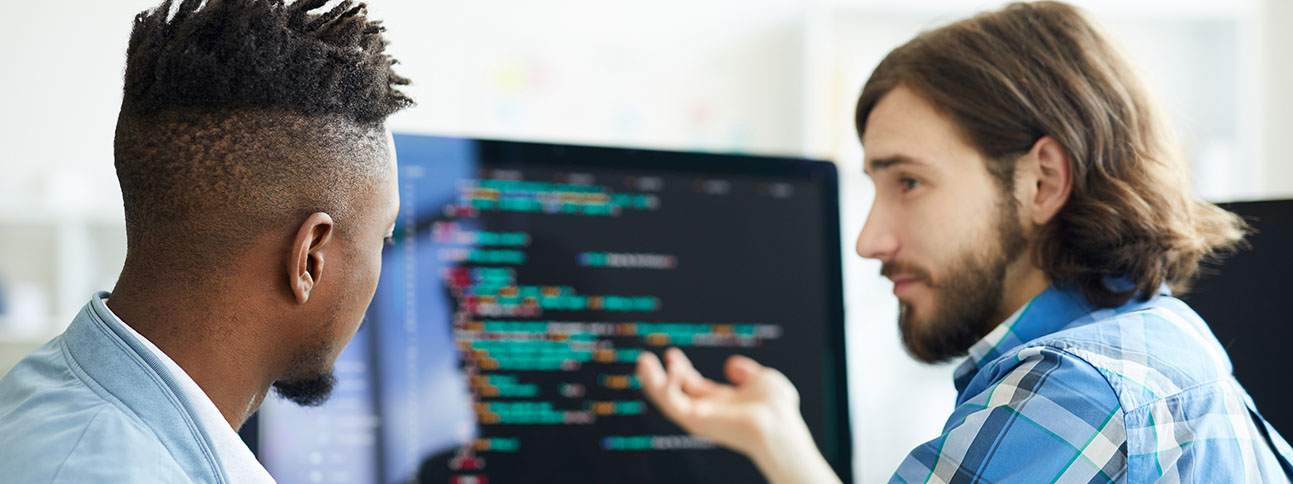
{"points": [[745, 76]]}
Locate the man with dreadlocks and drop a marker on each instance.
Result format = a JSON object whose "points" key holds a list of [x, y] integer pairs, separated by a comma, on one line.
{"points": [[258, 179]]}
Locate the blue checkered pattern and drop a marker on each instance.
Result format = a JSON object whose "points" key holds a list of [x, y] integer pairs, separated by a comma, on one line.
{"points": [[1065, 392]]}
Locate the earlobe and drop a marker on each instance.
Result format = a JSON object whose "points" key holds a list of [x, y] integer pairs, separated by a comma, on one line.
{"points": [[306, 257], [302, 289], [1054, 179]]}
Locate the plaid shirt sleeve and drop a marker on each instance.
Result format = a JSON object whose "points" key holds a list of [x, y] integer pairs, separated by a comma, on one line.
{"points": [[1046, 416]]}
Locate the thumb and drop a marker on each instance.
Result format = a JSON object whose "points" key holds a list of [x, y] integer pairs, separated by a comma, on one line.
{"points": [[740, 369]]}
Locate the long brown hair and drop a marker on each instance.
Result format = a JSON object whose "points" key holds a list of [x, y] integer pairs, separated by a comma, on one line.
{"points": [[1006, 78]]}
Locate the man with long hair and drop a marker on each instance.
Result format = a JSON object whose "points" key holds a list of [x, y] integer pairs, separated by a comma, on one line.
{"points": [[259, 184], [1033, 217]]}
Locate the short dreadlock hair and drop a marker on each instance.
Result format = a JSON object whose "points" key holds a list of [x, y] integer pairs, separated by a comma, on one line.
{"points": [[241, 117]]}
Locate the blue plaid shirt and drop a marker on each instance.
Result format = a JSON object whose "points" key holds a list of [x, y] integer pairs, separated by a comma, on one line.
{"points": [[1064, 391]]}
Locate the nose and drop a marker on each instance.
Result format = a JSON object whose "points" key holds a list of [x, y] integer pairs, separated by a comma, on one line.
{"points": [[878, 240]]}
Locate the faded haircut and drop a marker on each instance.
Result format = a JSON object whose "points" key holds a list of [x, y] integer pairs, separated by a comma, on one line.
{"points": [[242, 117]]}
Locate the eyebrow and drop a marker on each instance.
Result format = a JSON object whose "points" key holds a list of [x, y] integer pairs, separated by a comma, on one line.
{"points": [[881, 164]]}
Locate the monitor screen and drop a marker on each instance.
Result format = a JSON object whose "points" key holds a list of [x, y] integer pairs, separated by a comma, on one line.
{"points": [[524, 282]]}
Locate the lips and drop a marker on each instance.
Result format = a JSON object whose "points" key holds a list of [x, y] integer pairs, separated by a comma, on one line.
{"points": [[905, 276], [903, 284]]}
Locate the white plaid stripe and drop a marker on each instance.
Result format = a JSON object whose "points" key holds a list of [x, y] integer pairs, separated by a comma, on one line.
{"points": [[1133, 345], [1166, 438], [1079, 472], [1135, 372], [1102, 449], [1107, 443], [1240, 423], [1170, 475], [994, 337], [1056, 419], [955, 445], [1007, 390]]}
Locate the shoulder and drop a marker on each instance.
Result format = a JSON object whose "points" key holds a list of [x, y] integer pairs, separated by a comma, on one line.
{"points": [[1136, 394], [1049, 386], [1186, 418], [1147, 354], [55, 427], [1043, 414], [115, 447]]}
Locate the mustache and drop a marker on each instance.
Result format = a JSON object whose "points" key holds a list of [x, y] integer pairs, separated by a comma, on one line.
{"points": [[894, 268]]}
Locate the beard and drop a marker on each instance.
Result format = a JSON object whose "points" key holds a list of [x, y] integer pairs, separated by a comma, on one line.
{"points": [[307, 392], [311, 380], [966, 300]]}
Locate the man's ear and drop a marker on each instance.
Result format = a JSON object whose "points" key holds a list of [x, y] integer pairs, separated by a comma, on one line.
{"points": [[1049, 175], [305, 261]]}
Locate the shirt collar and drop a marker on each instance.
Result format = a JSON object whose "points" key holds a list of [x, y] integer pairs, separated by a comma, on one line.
{"points": [[1046, 313], [238, 461], [1052, 310]]}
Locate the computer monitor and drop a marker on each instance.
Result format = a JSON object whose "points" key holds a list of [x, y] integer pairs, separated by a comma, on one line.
{"points": [[1244, 301], [524, 282]]}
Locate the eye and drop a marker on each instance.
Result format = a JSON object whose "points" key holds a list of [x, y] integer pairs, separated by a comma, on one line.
{"points": [[908, 184]]}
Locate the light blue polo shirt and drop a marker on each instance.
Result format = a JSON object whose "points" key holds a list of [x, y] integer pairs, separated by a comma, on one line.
{"points": [[95, 405]]}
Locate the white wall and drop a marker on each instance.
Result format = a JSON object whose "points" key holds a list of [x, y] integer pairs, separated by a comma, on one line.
{"points": [[1276, 78], [60, 92], [669, 74]]}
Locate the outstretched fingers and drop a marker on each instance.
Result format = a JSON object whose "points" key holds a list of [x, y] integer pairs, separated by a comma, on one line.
{"points": [[664, 389], [693, 383], [740, 369]]}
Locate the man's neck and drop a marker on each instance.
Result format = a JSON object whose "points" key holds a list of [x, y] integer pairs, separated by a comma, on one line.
{"points": [[1024, 281], [207, 338]]}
